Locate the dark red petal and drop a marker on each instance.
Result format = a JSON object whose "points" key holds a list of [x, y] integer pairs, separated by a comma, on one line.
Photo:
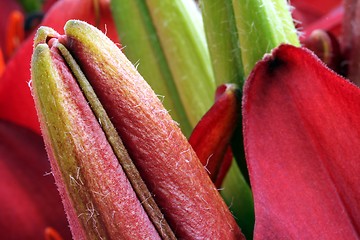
{"points": [[308, 11], [16, 102], [29, 201], [224, 168], [331, 22], [302, 132], [211, 136]]}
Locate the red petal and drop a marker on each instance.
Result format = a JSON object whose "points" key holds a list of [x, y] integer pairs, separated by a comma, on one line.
{"points": [[6, 9], [29, 201], [16, 102], [302, 132], [331, 22], [308, 11]]}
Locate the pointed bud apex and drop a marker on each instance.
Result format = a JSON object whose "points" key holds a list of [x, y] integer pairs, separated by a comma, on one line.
{"points": [[112, 143]]}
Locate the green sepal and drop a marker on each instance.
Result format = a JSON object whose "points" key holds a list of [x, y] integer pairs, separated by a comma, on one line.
{"points": [[223, 41], [262, 25], [143, 49], [182, 51]]}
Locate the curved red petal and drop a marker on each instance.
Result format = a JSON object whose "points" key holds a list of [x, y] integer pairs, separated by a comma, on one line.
{"points": [[211, 137], [29, 201], [308, 11], [302, 132], [331, 22]]}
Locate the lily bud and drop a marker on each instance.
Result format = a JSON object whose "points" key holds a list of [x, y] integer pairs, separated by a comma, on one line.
{"points": [[94, 188], [133, 177], [211, 136]]}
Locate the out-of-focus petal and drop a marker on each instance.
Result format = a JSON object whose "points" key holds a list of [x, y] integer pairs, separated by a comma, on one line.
{"points": [[308, 11], [331, 22], [302, 129], [29, 201], [7, 8]]}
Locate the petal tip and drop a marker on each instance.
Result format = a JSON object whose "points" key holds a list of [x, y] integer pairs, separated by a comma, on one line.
{"points": [[43, 34]]}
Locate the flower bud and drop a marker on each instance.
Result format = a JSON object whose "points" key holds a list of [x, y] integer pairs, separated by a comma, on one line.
{"points": [[111, 143], [211, 136]]}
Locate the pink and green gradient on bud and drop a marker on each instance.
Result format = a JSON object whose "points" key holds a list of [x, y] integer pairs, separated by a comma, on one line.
{"points": [[112, 174]]}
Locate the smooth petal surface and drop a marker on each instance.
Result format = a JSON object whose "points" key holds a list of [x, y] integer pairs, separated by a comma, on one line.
{"points": [[29, 201], [302, 132], [331, 22], [308, 11]]}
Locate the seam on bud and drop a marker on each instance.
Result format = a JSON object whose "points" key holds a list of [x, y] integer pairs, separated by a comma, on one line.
{"points": [[117, 145]]}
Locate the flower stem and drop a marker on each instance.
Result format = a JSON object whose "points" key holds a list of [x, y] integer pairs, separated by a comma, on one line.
{"points": [[223, 42], [262, 25]]}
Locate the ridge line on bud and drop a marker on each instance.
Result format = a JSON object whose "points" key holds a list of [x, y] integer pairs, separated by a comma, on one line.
{"points": [[95, 191], [140, 188]]}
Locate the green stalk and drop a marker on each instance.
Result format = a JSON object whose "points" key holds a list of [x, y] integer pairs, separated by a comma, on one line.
{"points": [[168, 39], [142, 48], [223, 42], [262, 25], [179, 27]]}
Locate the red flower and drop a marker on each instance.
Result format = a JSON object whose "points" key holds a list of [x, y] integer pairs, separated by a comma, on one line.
{"points": [[301, 132]]}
